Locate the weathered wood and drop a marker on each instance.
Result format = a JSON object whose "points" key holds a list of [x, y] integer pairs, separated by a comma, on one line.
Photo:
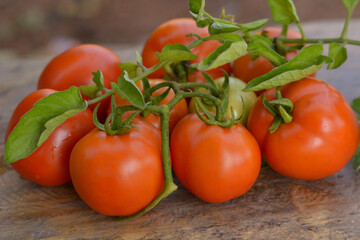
{"points": [[275, 208]]}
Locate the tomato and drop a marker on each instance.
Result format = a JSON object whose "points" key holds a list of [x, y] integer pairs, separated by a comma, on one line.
{"points": [[174, 32], [178, 112], [118, 175], [214, 163], [236, 98], [75, 66], [319, 141], [247, 69], [48, 165]]}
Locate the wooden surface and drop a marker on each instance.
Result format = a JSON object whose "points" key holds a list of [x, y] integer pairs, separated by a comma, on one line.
{"points": [[275, 208]]}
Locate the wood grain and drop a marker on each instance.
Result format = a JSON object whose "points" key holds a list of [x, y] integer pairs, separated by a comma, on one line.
{"points": [[275, 208]]}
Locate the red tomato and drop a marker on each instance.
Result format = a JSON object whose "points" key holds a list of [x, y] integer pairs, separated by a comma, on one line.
{"points": [[214, 163], [178, 112], [48, 165], [75, 66], [247, 69], [319, 141], [174, 32], [121, 174]]}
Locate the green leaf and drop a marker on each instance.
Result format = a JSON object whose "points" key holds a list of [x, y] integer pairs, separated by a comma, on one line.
{"points": [[356, 160], [219, 27], [338, 53], [350, 4], [175, 53], [127, 89], [196, 6], [356, 105], [308, 61], [98, 79], [255, 25], [260, 49], [37, 124], [222, 37], [283, 11], [201, 22], [131, 68], [225, 53], [89, 90]]}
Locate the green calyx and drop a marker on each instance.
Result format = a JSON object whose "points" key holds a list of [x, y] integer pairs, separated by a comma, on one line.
{"points": [[221, 104], [281, 108], [114, 125]]}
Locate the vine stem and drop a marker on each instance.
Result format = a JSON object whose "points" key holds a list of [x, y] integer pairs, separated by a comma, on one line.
{"points": [[319, 40], [169, 186]]}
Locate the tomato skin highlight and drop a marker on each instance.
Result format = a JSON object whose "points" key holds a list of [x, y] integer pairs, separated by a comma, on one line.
{"points": [[48, 165], [178, 112], [214, 163], [74, 67], [322, 137], [174, 32], [121, 174]]}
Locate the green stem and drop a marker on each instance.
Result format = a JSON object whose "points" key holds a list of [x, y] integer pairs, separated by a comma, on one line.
{"points": [[284, 31], [319, 40], [150, 70], [102, 97], [303, 35], [165, 149], [344, 33]]}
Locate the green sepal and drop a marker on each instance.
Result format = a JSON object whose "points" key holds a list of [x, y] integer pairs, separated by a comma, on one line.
{"points": [[96, 120], [283, 11], [338, 53], [205, 110], [308, 61], [127, 89], [158, 99], [175, 53], [35, 126], [225, 53]]}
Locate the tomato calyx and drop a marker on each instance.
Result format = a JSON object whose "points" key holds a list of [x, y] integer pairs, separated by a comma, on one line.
{"points": [[280, 108], [221, 102]]}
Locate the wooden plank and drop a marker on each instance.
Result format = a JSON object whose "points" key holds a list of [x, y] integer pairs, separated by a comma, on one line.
{"points": [[275, 208]]}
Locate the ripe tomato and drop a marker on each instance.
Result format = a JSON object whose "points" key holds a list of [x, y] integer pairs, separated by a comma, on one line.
{"points": [[75, 66], [235, 99], [121, 174], [321, 138], [48, 165], [174, 32], [177, 113], [214, 163], [247, 69]]}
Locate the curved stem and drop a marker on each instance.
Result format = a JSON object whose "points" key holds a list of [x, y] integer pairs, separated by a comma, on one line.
{"points": [[102, 97], [344, 33]]}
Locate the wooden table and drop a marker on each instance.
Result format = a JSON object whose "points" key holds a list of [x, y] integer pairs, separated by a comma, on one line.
{"points": [[275, 208]]}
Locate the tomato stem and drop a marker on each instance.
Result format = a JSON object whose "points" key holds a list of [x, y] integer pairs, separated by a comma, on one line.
{"points": [[319, 40]]}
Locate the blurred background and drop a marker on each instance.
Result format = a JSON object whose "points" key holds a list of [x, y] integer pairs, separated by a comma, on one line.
{"points": [[43, 27]]}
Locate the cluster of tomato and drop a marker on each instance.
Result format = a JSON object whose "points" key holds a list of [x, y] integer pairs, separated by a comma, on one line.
{"points": [[121, 174]]}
